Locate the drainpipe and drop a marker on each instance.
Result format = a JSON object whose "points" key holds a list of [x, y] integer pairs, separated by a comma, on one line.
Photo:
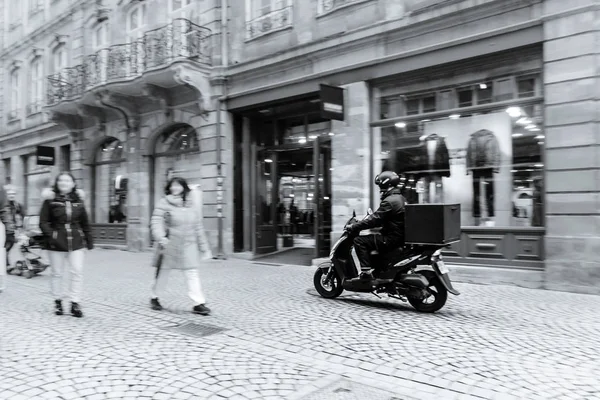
{"points": [[224, 61]]}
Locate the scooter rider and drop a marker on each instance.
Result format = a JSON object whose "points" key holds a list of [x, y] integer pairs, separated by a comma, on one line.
{"points": [[389, 216]]}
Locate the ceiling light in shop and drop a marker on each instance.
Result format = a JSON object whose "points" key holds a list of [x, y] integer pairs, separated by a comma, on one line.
{"points": [[536, 129], [331, 134], [302, 141], [482, 86], [312, 137], [524, 121], [530, 127], [320, 179], [455, 116], [539, 165], [268, 160], [517, 134], [325, 198], [539, 137], [540, 143], [292, 195], [425, 120], [514, 112], [400, 124]]}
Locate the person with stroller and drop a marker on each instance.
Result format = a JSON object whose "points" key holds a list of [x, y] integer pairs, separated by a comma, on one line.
{"points": [[177, 228], [67, 232], [14, 216]]}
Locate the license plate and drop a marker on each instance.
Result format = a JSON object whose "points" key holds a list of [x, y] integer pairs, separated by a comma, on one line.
{"points": [[442, 267]]}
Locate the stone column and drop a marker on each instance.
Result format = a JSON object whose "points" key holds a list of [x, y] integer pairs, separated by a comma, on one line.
{"points": [[351, 158], [572, 83], [17, 171]]}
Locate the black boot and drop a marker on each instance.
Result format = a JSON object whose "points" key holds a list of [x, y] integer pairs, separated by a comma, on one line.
{"points": [[58, 310], [201, 309], [76, 310], [155, 305], [366, 276]]}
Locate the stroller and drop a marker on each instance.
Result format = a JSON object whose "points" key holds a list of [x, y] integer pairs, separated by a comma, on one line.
{"points": [[29, 239]]}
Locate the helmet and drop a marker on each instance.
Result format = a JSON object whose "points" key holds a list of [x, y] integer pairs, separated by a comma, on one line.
{"points": [[387, 180]]}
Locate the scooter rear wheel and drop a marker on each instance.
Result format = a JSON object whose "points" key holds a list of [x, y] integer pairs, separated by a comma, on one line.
{"points": [[331, 289], [438, 292]]}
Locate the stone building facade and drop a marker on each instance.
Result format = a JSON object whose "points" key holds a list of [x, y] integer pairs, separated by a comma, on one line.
{"points": [[243, 81]]}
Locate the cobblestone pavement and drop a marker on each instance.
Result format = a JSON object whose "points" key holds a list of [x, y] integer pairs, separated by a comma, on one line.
{"points": [[281, 341]]}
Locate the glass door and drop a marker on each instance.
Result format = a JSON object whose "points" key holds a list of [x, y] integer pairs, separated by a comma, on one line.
{"points": [[323, 221], [265, 188]]}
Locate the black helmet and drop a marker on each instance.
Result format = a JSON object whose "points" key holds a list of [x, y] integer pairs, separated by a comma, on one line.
{"points": [[387, 180]]}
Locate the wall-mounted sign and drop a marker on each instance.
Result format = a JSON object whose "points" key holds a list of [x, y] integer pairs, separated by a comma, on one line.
{"points": [[45, 155], [332, 102]]}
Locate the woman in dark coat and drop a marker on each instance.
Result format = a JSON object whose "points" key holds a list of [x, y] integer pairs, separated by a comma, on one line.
{"points": [[65, 226]]}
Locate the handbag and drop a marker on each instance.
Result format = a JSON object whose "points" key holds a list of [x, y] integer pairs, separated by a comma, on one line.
{"points": [[158, 259]]}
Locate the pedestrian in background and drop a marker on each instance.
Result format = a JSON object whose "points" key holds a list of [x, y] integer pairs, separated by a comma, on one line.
{"points": [[177, 228], [14, 216], [65, 226]]}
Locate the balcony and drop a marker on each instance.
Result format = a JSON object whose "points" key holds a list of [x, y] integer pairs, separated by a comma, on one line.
{"points": [[271, 22], [181, 40]]}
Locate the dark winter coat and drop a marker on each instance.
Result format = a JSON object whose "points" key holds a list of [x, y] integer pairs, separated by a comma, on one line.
{"points": [[483, 151], [441, 162], [389, 216], [64, 222], [10, 212]]}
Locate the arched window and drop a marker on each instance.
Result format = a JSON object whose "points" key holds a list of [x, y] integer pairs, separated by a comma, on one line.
{"points": [[110, 202], [137, 19], [15, 94], [36, 86]]}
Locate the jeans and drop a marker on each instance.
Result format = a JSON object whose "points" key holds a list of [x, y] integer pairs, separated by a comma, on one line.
{"points": [[487, 177], [192, 278], [58, 259]]}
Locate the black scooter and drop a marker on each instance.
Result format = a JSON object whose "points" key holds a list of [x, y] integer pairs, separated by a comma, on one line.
{"points": [[395, 274]]}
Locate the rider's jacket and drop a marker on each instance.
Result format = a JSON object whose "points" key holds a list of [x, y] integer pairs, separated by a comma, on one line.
{"points": [[389, 216]]}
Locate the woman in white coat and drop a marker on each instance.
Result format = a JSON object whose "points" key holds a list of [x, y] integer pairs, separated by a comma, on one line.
{"points": [[177, 228], [3, 217]]}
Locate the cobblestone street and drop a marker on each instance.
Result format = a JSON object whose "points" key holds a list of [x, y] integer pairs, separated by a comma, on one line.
{"points": [[279, 340]]}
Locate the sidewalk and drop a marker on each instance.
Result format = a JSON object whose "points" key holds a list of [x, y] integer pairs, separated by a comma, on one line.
{"points": [[271, 337]]}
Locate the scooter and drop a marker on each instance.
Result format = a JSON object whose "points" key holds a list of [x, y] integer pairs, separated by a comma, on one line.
{"points": [[396, 274]]}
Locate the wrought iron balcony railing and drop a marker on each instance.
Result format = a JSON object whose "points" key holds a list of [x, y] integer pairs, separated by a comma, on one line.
{"points": [[270, 22], [179, 40]]}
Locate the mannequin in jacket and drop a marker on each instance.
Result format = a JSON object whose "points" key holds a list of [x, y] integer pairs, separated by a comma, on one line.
{"points": [[435, 164]]}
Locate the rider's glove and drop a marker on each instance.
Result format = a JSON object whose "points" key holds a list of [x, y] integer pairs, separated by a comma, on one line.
{"points": [[350, 229]]}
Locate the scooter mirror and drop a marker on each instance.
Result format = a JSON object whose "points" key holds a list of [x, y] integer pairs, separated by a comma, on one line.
{"points": [[353, 213]]}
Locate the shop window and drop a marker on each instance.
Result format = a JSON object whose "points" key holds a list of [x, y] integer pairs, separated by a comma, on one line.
{"points": [[491, 163], [503, 89], [413, 107], [446, 100], [65, 157], [110, 204], [465, 98], [484, 93], [429, 104], [526, 86]]}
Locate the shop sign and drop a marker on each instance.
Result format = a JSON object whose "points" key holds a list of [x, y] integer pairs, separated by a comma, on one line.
{"points": [[45, 155], [332, 102]]}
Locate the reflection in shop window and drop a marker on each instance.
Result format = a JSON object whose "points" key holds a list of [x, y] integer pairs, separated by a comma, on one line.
{"points": [[491, 163]]}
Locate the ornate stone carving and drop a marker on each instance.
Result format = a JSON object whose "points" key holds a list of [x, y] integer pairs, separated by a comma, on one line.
{"points": [[72, 122], [96, 113], [159, 94], [121, 103], [186, 75]]}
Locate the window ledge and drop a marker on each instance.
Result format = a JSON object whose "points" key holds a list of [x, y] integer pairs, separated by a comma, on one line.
{"points": [[268, 33], [334, 9]]}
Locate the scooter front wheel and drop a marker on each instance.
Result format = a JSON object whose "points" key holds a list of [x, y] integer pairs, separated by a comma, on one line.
{"points": [[329, 289]]}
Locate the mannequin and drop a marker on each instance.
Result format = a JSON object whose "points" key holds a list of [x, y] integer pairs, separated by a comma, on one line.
{"points": [[435, 164], [483, 159]]}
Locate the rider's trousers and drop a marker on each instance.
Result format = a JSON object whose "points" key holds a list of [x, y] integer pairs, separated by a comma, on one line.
{"points": [[364, 245]]}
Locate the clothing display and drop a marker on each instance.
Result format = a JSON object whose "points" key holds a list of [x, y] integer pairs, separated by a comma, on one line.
{"points": [[485, 176], [483, 151], [434, 156], [434, 190]]}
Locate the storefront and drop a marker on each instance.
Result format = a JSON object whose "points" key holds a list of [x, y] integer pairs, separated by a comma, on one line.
{"points": [[471, 133]]}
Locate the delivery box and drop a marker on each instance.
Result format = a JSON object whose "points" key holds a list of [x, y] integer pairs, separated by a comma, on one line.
{"points": [[432, 224]]}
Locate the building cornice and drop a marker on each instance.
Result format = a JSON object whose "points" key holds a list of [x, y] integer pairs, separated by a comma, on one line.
{"points": [[403, 27], [44, 30]]}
